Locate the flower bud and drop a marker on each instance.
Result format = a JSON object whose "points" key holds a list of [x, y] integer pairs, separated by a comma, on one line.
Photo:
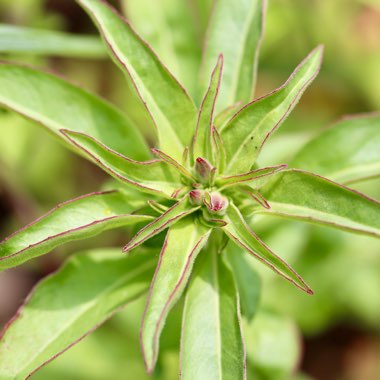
{"points": [[216, 203], [204, 169], [196, 197]]}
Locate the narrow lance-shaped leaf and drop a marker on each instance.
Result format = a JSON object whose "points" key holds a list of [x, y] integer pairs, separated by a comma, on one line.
{"points": [[183, 242], [16, 39], [149, 176], [56, 104], [240, 233], [245, 134], [202, 137], [79, 218], [236, 33], [169, 105], [68, 305], [212, 346], [347, 152], [226, 181], [181, 209], [302, 195]]}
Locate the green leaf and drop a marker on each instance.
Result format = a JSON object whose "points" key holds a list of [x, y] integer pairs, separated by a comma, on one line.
{"points": [[79, 218], [240, 233], [297, 194], [56, 104], [183, 242], [247, 280], [236, 33], [16, 39], [211, 343], [181, 209], [168, 104], [347, 152], [70, 304], [226, 181], [202, 136], [150, 176], [245, 134]]}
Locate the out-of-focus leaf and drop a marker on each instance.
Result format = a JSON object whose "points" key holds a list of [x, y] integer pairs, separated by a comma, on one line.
{"points": [[167, 102], [240, 233], [247, 280], [211, 342], [69, 305], [202, 137], [347, 152], [183, 242], [302, 195], [273, 346], [56, 104], [236, 33], [152, 176], [245, 134], [79, 218], [171, 27], [16, 39], [181, 209]]}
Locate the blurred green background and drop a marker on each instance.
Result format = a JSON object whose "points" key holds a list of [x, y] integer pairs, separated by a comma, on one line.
{"points": [[334, 334]]}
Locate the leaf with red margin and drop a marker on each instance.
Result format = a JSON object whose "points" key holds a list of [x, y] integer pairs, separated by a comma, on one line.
{"points": [[212, 345], [153, 176], [168, 104], [202, 136], [183, 242], [178, 211], [79, 218], [245, 134], [240, 233], [297, 194], [68, 305], [227, 181], [57, 104]]}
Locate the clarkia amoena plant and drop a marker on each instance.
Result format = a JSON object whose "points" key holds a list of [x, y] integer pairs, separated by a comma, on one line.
{"points": [[201, 184]]}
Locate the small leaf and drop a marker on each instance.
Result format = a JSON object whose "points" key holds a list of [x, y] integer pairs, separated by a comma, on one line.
{"points": [[347, 152], [212, 346], [16, 39], [226, 181], [219, 150], [79, 218], [236, 33], [247, 281], [68, 305], [240, 233], [168, 104], [56, 104], [183, 242], [152, 176], [202, 136], [172, 215], [298, 194], [245, 134]]}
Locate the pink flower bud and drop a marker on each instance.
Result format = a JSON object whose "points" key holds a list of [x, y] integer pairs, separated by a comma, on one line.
{"points": [[203, 168], [217, 203], [196, 197]]}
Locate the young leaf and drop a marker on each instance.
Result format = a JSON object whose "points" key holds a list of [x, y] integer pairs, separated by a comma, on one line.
{"points": [[16, 39], [302, 195], [236, 33], [68, 305], [245, 134], [79, 218], [56, 104], [150, 176], [226, 181], [168, 104], [347, 152], [247, 281], [212, 346], [181, 209], [240, 233], [183, 242], [202, 136]]}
